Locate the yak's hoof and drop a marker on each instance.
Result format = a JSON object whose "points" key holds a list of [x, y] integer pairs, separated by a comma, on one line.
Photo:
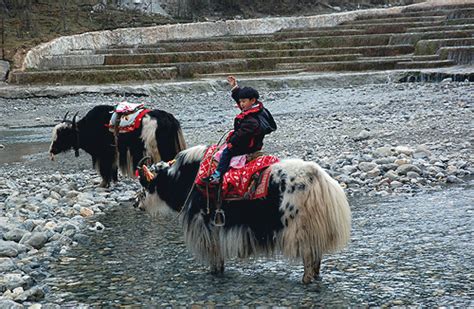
{"points": [[307, 279], [104, 184], [217, 271]]}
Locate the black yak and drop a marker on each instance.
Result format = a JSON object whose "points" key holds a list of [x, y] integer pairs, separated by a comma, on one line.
{"points": [[304, 215], [158, 136]]}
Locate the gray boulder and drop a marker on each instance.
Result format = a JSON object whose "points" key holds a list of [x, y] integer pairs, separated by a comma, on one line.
{"points": [[35, 239], [10, 304], [4, 69]]}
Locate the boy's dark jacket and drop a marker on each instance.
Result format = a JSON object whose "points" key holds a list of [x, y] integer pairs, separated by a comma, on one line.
{"points": [[250, 127]]}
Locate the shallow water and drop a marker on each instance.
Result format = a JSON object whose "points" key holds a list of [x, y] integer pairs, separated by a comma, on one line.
{"points": [[403, 250], [19, 144]]}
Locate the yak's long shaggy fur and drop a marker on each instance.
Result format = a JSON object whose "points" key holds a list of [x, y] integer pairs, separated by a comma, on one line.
{"points": [[159, 136], [305, 215]]}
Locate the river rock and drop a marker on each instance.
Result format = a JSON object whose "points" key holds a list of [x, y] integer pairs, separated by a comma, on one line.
{"points": [[367, 166], [6, 265], [453, 179], [373, 172], [8, 248], [15, 234], [86, 212], [12, 281], [10, 304], [421, 152], [35, 239], [404, 149], [363, 135], [412, 174], [405, 168], [383, 152], [34, 294]]}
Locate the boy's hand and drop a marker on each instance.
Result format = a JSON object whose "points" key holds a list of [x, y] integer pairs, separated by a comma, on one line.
{"points": [[232, 81]]}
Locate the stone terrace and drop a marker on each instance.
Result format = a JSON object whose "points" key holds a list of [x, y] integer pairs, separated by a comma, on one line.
{"points": [[414, 38]]}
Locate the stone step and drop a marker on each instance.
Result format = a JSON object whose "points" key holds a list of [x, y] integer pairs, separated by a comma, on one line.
{"points": [[92, 76], [426, 58], [360, 65], [459, 21], [213, 55], [377, 50], [429, 47], [350, 41], [396, 20], [449, 13], [448, 6], [423, 64], [159, 60], [250, 73], [458, 54], [316, 33], [129, 51], [462, 13], [391, 58], [227, 45], [312, 42], [441, 28], [414, 37], [403, 25]]}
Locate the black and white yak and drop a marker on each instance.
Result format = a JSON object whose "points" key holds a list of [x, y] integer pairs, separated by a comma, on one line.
{"points": [[305, 214], [159, 136]]}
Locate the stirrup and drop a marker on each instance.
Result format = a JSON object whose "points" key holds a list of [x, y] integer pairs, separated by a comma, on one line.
{"points": [[219, 218]]}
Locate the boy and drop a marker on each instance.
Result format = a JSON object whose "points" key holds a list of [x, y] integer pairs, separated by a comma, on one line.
{"points": [[250, 127]]}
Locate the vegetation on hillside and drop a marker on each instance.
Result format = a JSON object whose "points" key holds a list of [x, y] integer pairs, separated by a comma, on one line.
{"points": [[27, 23]]}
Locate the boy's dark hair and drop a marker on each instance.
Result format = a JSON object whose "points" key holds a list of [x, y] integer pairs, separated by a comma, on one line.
{"points": [[248, 93]]}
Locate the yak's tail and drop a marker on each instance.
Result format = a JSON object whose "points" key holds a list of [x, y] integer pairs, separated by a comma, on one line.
{"points": [[316, 211], [162, 135], [180, 143]]}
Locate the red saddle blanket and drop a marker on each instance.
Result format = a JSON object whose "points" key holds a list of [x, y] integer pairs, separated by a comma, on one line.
{"points": [[129, 121], [248, 182]]}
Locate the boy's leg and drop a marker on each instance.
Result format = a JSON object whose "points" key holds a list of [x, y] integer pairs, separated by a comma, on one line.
{"points": [[224, 162], [222, 167]]}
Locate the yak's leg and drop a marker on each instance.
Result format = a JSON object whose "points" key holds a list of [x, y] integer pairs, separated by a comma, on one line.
{"points": [[114, 173], [216, 258], [106, 172], [312, 266]]}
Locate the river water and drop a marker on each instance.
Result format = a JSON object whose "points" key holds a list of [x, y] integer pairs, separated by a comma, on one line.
{"points": [[404, 251]]}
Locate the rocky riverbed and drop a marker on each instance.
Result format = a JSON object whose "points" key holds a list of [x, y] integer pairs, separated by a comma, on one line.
{"points": [[379, 141]]}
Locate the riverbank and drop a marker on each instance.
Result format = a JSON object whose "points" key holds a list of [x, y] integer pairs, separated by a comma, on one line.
{"points": [[376, 140]]}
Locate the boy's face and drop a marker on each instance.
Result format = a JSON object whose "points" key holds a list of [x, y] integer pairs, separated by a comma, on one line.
{"points": [[246, 103]]}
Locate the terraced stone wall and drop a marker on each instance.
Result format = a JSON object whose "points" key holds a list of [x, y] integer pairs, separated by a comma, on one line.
{"points": [[154, 35]]}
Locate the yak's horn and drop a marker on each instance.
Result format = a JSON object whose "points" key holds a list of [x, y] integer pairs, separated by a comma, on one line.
{"points": [[145, 160], [74, 120], [65, 116]]}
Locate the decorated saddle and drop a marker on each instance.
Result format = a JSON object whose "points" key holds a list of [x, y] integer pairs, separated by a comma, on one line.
{"points": [[247, 178], [128, 116]]}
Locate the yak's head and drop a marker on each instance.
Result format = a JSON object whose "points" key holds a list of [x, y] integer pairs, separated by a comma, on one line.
{"points": [[152, 177], [166, 184], [65, 137]]}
